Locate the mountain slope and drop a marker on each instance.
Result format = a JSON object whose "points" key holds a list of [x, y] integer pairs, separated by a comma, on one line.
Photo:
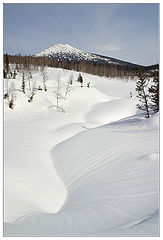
{"points": [[65, 52]]}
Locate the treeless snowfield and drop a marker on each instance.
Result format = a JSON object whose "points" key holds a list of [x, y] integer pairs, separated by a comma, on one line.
{"points": [[89, 171]]}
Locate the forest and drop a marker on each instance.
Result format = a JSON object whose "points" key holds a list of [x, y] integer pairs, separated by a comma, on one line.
{"points": [[100, 69]]}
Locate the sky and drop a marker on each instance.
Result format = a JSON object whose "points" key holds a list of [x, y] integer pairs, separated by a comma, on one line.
{"points": [[128, 32]]}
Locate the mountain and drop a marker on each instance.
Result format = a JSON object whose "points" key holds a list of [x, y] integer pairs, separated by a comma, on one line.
{"points": [[65, 52]]}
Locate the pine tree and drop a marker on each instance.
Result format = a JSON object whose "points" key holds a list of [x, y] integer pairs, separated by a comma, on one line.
{"points": [[14, 74], [154, 92], [4, 74], [142, 95], [80, 79]]}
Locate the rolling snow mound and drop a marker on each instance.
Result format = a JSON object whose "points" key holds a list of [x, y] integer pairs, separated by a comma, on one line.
{"points": [[111, 178]]}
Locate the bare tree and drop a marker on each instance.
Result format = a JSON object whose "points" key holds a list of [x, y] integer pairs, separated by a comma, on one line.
{"points": [[29, 77], [23, 82], [12, 96], [68, 86], [58, 93], [44, 77], [6, 95], [33, 92]]}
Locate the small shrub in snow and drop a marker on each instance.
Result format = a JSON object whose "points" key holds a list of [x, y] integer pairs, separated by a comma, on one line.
{"points": [[39, 88], [88, 85], [6, 96]]}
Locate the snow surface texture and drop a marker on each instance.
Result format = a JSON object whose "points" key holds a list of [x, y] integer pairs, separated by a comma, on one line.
{"points": [[92, 170]]}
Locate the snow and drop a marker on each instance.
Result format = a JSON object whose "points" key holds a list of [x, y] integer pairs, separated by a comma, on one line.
{"points": [[66, 51], [112, 110], [59, 48], [91, 171]]}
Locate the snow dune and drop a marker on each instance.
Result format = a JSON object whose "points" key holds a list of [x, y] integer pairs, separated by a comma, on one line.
{"points": [[111, 178], [69, 174]]}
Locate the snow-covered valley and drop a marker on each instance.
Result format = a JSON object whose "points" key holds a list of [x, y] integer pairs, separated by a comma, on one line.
{"points": [[91, 170]]}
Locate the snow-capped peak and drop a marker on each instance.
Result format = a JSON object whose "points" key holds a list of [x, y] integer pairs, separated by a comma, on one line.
{"points": [[59, 48], [65, 52], [69, 53]]}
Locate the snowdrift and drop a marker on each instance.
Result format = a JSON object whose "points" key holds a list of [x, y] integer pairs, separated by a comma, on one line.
{"points": [[111, 111], [68, 173], [111, 178]]}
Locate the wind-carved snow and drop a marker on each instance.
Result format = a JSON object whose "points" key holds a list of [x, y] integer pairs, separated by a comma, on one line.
{"points": [[68, 174], [111, 178]]}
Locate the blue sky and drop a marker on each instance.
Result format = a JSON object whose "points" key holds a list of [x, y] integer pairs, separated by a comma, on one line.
{"points": [[125, 31]]}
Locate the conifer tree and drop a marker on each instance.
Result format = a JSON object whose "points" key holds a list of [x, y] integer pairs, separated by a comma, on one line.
{"points": [[154, 92], [14, 74], [4, 74], [141, 87], [80, 79]]}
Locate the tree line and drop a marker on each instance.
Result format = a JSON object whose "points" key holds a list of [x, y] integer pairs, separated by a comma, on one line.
{"points": [[95, 68]]}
